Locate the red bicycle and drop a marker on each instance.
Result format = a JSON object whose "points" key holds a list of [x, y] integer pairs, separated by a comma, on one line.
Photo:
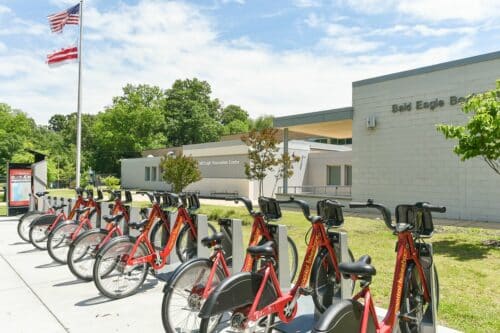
{"points": [[122, 264], [65, 232], [192, 282], [82, 251], [255, 298], [411, 299], [41, 227]]}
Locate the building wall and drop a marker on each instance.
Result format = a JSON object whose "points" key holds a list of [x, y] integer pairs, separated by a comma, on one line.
{"points": [[133, 174], [405, 160], [317, 166]]}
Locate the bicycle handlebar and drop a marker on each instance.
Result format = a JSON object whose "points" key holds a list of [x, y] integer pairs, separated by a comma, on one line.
{"points": [[246, 201], [386, 213], [301, 203], [430, 208]]}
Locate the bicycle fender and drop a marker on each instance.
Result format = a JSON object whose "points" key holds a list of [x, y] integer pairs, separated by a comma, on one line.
{"points": [[44, 220], [168, 285], [344, 316], [112, 242], [236, 291]]}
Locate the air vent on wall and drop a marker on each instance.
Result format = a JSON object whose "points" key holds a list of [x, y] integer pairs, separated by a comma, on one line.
{"points": [[371, 121]]}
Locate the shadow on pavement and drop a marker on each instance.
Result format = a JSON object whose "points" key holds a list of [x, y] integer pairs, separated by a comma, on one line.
{"points": [[69, 283], [29, 251], [18, 243], [150, 284], [300, 324], [49, 265]]}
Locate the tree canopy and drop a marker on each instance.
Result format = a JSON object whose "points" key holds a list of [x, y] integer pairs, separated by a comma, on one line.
{"points": [[480, 137], [142, 117]]}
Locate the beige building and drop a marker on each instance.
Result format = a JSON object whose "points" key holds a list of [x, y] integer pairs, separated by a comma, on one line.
{"points": [[397, 154]]}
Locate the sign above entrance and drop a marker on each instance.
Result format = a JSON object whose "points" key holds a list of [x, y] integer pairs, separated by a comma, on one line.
{"points": [[427, 104]]}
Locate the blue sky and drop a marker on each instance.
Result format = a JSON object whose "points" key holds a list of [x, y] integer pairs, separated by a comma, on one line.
{"points": [[270, 57]]}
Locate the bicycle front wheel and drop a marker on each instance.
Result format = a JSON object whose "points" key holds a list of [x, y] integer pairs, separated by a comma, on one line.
{"points": [[183, 300], [60, 239], [112, 276], [39, 233], [323, 280], [186, 244], [413, 304], [82, 253]]}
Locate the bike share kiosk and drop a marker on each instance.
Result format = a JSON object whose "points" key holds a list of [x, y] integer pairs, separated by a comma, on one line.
{"points": [[22, 180]]}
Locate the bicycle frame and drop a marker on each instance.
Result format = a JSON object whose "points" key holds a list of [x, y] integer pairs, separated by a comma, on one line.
{"points": [[112, 228], [406, 251], [259, 229], [319, 239], [218, 260], [183, 217], [62, 215]]}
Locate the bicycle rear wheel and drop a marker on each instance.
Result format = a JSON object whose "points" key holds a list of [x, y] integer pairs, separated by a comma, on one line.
{"points": [[112, 277], [23, 227], [182, 300], [38, 233], [82, 253]]}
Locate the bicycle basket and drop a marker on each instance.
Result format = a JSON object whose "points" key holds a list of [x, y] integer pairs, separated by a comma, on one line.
{"points": [[419, 218], [331, 212], [270, 208]]}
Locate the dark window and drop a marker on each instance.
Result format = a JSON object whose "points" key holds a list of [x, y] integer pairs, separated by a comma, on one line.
{"points": [[333, 175], [348, 175], [147, 174], [154, 173]]}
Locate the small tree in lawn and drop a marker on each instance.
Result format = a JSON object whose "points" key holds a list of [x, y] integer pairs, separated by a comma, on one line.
{"points": [[180, 171], [262, 149], [285, 167], [481, 135]]}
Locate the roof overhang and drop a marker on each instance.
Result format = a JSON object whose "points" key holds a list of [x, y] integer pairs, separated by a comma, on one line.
{"points": [[334, 123]]}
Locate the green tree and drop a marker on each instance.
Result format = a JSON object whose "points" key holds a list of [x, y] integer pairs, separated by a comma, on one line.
{"points": [[236, 127], [132, 124], [231, 113], [285, 167], [191, 115], [15, 130], [261, 123], [180, 171], [262, 149], [481, 135]]}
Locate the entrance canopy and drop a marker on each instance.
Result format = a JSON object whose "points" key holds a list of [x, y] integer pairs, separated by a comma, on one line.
{"points": [[334, 123]]}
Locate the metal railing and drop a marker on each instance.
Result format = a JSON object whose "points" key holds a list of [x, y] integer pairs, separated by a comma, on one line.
{"points": [[331, 190]]}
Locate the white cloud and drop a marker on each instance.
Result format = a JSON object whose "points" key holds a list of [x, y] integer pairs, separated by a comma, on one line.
{"points": [[422, 30], [4, 9], [241, 2], [157, 43]]}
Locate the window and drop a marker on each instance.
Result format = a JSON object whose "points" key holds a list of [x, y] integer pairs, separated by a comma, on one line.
{"points": [[147, 174], [154, 173], [333, 175], [348, 175]]}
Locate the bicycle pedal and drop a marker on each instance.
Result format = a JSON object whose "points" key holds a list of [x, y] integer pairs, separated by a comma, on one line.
{"points": [[306, 291]]}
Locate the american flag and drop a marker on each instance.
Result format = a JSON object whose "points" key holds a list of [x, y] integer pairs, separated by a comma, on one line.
{"points": [[69, 16], [69, 54]]}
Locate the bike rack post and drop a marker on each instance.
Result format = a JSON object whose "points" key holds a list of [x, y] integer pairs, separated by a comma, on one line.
{"points": [[48, 201], [32, 202], [69, 206], [172, 257], [233, 243], [280, 235], [345, 284], [201, 222], [429, 320]]}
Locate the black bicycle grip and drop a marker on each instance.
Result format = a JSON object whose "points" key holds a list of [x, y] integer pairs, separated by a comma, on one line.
{"points": [[432, 208], [303, 205], [358, 205]]}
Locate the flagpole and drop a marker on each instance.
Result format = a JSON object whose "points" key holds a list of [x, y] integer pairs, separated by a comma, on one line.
{"points": [[79, 106]]}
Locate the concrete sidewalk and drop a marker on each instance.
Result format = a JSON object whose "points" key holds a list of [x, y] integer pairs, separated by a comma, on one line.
{"points": [[37, 295]]}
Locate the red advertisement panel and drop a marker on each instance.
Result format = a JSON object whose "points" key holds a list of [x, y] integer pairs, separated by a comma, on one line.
{"points": [[19, 187]]}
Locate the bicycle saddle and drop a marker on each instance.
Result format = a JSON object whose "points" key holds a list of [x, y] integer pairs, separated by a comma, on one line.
{"points": [[41, 194], [139, 225], [111, 218], [212, 240], [361, 268], [266, 249]]}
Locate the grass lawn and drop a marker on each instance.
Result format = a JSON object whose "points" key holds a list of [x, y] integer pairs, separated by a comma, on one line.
{"points": [[468, 270], [3, 209]]}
